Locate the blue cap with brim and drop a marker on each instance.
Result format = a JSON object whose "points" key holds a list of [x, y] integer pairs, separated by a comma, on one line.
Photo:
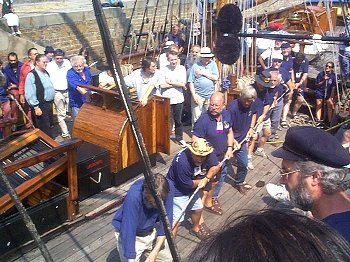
{"points": [[306, 143]]}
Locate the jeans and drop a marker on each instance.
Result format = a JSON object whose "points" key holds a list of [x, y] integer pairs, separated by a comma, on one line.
{"points": [[344, 62], [75, 111], [242, 164], [221, 181], [176, 111], [275, 117]]}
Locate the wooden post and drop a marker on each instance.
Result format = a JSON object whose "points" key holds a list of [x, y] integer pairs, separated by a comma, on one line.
{"points": [[72, 201]]}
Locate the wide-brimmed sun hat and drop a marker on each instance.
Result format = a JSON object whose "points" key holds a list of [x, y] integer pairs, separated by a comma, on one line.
{"points": [[200, 147]]}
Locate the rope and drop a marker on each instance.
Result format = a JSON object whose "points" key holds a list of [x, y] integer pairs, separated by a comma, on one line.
{"points": [[129, 27]]}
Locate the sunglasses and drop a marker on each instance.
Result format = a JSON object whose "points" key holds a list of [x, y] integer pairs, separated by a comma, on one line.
{"points": [[328, 66], [277, 60]]}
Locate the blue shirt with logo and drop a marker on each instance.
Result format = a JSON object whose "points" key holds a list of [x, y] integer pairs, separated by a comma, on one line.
{"points": [[213, 131]]}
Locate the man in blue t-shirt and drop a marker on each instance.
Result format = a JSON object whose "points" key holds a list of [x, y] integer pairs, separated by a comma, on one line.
{"points": [[192, 168], [314, 171], [202, 78], [300, 70], [243, 116], [287, 66], [215, 126], [136, 222]]}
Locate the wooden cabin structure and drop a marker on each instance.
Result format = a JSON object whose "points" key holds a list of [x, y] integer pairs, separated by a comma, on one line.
{"points": [[103, 122]]}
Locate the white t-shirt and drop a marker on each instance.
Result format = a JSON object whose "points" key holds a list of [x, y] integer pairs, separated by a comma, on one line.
{"points": [[136, 80], [268, 53], [178, 74], [58, 74]]}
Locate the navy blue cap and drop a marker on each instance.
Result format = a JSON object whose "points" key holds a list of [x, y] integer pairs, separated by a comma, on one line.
{"points": [[264, 79], [49, 49], [285, 45], [306, 143]]}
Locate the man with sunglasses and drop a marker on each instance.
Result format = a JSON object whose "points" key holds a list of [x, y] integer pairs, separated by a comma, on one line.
{"points": [[315, 173], [325, 92], [300, 71]]}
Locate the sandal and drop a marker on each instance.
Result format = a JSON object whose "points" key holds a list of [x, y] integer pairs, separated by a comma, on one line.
{"points": [[216, 203], [284, 124], [213, 209], [201, 233], [205, 228]]}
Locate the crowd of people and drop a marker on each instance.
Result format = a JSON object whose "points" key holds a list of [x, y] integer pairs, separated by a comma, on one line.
{"points": [[314, 170], [42, 81]]}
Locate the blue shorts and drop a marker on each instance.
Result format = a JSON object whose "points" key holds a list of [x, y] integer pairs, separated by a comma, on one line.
{"points": [[180, 203]]}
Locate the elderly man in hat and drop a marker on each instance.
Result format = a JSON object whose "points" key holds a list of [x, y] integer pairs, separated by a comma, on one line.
{"points": [[285, 81], [315, 173], [262, 104], [193, 167], [243, 116], [202, 79], [136, 222]]}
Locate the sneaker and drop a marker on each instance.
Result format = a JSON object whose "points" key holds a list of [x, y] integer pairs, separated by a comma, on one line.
{"points": [[250, 164], [18, 32], [182, 143], [172, 136], [260, 153], [278, 192], [65, 135]]}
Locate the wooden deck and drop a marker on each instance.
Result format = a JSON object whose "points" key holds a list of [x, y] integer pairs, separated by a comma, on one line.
{"points": [[91, 237]]}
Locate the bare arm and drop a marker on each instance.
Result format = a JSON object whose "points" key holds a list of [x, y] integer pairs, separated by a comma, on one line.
{"points": [[158, 246], [261, 62], [144, 99]]}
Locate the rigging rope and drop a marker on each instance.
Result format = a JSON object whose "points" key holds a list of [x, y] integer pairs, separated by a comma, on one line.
{"points": [[129, 27]]}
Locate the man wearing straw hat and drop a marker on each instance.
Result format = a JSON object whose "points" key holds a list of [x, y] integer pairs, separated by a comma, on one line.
{"points": [[187, 173]]}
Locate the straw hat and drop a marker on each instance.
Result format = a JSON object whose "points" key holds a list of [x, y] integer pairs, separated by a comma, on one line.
{"points": [[206, 52], [200, 147]]}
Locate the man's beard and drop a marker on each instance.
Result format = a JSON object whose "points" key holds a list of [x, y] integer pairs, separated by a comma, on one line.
{"points": [[301, 196], [14, 65]]}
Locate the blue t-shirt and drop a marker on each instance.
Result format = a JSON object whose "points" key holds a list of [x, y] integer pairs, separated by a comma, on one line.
{"points": [[74, 79], [262, 99], [182, 171], [177, 39], [287, 64], [241, 118], [341, 223], [327, 86], [300, 70], [204, 87], [207, 127], [133, 217]]}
